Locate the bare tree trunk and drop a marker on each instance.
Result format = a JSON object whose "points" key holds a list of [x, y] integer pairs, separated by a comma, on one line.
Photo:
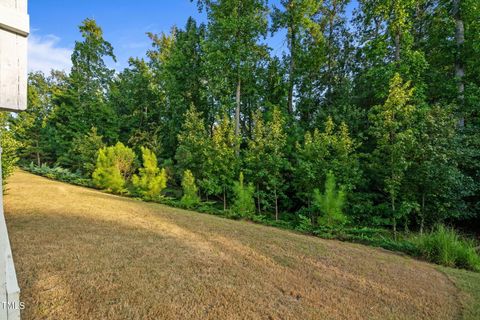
{"points": [[394, 218], [397, 48], [459, 68], [258, 200], [224, 199], [38, 155], [331, 21], [276, 204], [237, 113], [291, 71], [422, 217]]}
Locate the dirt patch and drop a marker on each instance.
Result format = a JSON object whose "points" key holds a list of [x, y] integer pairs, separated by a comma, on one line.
{"points": [[83, 254]]}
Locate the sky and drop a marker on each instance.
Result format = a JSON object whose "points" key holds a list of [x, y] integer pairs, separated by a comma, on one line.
{"points": [[54, 27]]}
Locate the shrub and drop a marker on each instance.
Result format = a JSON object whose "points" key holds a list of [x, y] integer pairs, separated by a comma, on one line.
{"points": [[330, 203], [244, 204], [9, 153], [151, 180], [190, 196], [113, 167], [304, 224], [444, 246], [60, 174]]}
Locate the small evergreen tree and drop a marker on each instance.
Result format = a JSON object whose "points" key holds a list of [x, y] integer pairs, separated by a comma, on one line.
{"points": [[330, 203], [113, 168], [151, 180], [190, 191], [244, 203], [107, 175]]}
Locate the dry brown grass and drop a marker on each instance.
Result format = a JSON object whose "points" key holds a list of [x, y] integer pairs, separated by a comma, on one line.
{"points": [[83, 254]]}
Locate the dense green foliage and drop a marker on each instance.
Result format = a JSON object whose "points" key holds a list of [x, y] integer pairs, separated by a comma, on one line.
{"points": [[114, 166], [444, 246], [244, 204], [387, 101], [190, 196], [9, 149], [330, 203]]}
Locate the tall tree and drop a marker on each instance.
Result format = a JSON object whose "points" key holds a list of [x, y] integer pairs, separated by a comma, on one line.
{"points": [[392, 130], [266, 161], [221, 164], [83, 104], [232, 48], [298, 17], [176, 62], [28, 126], [193, 145]]}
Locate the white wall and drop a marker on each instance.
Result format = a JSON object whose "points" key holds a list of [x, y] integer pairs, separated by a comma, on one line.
{"points": [[14, 29]]}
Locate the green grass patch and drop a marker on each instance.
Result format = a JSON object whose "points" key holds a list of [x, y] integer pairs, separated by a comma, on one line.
{"points": [[469, 283]]}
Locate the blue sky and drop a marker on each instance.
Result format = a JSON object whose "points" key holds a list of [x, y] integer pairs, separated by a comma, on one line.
{"points": [[54, 27]]}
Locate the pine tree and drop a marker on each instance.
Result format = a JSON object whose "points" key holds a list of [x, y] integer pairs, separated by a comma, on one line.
{"points": [[330, 203], [244, 203], [151, 180], [190, 196], [82, 105], [114, 167]]}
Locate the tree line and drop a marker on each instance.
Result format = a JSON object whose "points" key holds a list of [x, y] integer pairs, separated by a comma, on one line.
{"points": [[383, 101]]}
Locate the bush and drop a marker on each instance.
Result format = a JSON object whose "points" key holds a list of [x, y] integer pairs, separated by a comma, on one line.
{"points": [[444, 246], [114, 166], [58, 173], [152, 180], [244, 204], [9, 153], [304, 224], [330, 203], [190, 196]]}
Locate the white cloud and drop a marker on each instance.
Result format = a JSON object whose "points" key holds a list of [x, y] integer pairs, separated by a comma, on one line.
{"points": [[45, 54]]}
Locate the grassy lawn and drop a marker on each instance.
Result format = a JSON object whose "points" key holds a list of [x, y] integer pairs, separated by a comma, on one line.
{"points": [[469, 283], [83, 254]]}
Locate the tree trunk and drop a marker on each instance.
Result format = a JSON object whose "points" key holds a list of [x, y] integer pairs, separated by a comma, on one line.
{"points": [[237, 114], [459, 68], [291, 71], [276, 204], [331, 20], [394, 218], [397, 48], [422, 216], [258, 200], [38, 155], [224, 199]]}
